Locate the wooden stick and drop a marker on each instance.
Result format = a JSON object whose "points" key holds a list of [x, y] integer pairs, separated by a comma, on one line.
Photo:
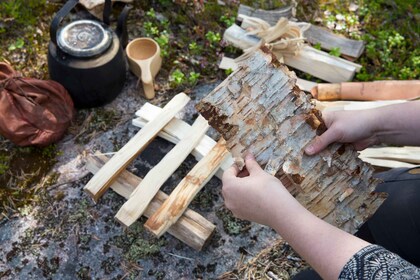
{"points": [[147, 189], [97, 186], [191, 228], [362, 91], [175, 130], [387, 163], [270, 16], [229, 63], [402, 154], [186, 190], [353, 105], [313, 34], [329, 68]]}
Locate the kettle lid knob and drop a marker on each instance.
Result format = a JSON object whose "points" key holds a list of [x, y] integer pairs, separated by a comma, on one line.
{"points": [[84, 38]]}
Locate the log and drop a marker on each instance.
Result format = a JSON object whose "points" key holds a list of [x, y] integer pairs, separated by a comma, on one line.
{"points": [[191, 228], [329, 68], [313, 34], [98, 185], [186, 190], [368, 91], [147, 189], [258, 108], [229, 63], [175, 130]]}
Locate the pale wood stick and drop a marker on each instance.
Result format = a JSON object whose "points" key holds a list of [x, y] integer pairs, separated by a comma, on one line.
{"points": [[387, 163], [403, 154], [175, 130], [191, 228], [353, 105], [271, 16], [229, 63], [97, 186], [186, 190], [147, 189]]}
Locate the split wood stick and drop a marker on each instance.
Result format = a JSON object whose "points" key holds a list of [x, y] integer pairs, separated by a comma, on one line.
{"points": [[353, 105], [313, 34], [387, 163], [403, 154], [97, 186], [229, 63], [271, 16], [147, 189], [191, 228], [329, 68], [259, 109], [363, 91], [175, 130], [187, 189]]}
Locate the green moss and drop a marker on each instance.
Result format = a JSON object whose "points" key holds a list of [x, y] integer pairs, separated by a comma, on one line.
{"points": [[232, 225], [141, 249]]}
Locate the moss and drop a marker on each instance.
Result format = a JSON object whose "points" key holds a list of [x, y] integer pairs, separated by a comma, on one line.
{"points": [[142, 248], [232, 225]]}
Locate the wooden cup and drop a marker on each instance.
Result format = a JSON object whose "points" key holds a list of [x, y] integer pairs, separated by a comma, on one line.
{"points": [[145, 62]]}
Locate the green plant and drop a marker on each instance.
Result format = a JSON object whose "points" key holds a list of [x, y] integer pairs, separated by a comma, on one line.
{"points": [[193, 77], [317, 46], [213, 37], [150, 29], [227, 20], [335, 52], [177, 78], [228, 71], [163, 41], [17, 45], [151, 13]]}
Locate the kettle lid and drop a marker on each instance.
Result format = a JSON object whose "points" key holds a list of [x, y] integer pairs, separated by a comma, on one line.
{"points": [[84, 38]]}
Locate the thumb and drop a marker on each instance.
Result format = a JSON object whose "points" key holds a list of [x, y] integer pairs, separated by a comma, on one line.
{"points": [[251, 164], [319, 143]]}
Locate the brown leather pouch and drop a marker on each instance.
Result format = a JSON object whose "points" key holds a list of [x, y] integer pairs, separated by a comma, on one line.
{"points": [[32, 112]]}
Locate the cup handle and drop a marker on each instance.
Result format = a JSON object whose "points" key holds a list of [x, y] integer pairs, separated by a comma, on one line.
{"points": [[149, 90]]}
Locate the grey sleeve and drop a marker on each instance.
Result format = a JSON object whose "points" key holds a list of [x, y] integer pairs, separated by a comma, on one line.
{"points": [[375, 262]]}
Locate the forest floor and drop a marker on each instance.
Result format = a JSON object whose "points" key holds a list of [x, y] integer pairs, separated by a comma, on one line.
{"points": [[50, 229]]}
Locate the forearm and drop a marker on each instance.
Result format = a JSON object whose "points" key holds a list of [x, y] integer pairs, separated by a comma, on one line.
{"points": [[398, 124], [326, 248]]}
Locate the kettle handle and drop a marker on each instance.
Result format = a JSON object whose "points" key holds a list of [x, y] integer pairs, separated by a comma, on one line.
{"points": [[59, 17], [122, 26], [107, 12]]}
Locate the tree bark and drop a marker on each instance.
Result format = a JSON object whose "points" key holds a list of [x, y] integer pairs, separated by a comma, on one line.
{"points": [[259, 108]]}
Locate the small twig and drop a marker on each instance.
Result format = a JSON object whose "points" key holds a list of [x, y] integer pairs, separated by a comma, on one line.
{"points": [[181, 257]]}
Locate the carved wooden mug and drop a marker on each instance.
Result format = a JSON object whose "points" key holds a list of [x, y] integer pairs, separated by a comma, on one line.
{"points": [[145, 62]]}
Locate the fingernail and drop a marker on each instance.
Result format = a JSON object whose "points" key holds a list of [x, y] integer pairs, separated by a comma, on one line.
{"points": [[309, 149], [249, 156]]}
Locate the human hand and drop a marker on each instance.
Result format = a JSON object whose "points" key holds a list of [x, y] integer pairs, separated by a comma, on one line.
{"points": [[253, 194], [355, 127]]}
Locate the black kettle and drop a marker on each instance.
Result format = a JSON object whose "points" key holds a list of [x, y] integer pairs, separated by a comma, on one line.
{"points": [[87, 57]]}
